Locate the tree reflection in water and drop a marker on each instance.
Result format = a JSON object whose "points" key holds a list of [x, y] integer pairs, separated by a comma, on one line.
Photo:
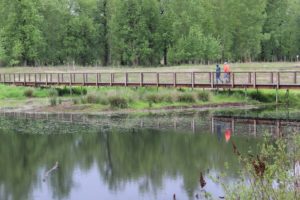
{"points": [[142, 155]]}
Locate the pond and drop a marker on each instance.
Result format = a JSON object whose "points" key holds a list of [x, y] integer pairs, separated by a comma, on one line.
{"points": [[127, 156]]}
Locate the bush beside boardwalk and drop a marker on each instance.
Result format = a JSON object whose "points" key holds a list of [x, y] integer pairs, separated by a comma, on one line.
{"points": [[92, 99]]}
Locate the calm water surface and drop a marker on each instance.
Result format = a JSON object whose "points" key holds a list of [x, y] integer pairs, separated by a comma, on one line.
{"points": [[122, 156]]}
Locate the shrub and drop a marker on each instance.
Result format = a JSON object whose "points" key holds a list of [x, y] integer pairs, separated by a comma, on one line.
{"points": [[28, 93], [52, 93], [75, 101], [154, 98], [186, 97], [118, 102], [92, 99], [203, 96], [53, 101], [170, 98], [67, 91]]}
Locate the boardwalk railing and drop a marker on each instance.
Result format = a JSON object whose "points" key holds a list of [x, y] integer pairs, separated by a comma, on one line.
{"points": [[271, 80]]}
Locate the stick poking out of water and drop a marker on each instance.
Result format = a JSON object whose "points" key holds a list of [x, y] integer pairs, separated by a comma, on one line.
{"points": [[55, 167]]}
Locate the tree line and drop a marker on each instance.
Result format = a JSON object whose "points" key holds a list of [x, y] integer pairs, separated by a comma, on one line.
{"points": [[147, 32]]}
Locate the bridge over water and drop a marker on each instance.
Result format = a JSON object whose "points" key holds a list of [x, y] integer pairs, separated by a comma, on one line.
{"points": [[242, 79]]}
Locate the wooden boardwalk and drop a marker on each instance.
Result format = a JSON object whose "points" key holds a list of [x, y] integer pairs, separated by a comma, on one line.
{"points": [[257, 80]]}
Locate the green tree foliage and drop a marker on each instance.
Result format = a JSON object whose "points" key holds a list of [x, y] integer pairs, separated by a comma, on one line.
{"points": [[152, 32]]}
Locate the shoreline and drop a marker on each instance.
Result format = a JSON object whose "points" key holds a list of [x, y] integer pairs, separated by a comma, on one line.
{"points": [[58, 110]]}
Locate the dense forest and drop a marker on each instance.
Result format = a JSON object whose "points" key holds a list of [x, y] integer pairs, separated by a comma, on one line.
{"points": [[147, 32]]}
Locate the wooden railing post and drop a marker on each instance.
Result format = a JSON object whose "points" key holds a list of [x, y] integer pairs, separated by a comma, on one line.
{"points": [[34, 79], [249, 78], [126, 79], [97, 81], [24, 79], [29, 77], [62, 78], [111, 79], [209, 77], [19, 77], [272, 78], [70, 83], [254, 84], [141, 79], [295, 77], [83, 79], [212, 79], [193, 79], [232, 79], [157, 79], [174, 79], [46, 78], [14, 78], [278, 80]]}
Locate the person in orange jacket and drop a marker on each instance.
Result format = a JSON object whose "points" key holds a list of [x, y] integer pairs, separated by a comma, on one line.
{"points": [[227, 72]]}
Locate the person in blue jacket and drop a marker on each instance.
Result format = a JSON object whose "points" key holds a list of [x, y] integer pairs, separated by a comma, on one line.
{"points": [[218, 74]]}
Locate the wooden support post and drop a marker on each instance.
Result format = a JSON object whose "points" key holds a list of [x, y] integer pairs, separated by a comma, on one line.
{"points": [[141, 79], [126, 79], [254, 84], [19, 77], [24, 79], [174, 79], [193, 79], [51, 78], [4, 81], [86, 79], [157, 79], [209, 77], [58, 81], [46, 79], [62, 78], [278, 80], [14, 78], [272, 78], [29, 77], [249, 77], [232, 80], [295, 77], [40, 77]]}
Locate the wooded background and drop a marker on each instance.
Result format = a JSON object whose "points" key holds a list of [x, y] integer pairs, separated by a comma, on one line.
{"points": [[147, 32]]}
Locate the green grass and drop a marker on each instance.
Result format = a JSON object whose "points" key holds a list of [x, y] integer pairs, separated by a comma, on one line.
{"points": [[105, 98]]}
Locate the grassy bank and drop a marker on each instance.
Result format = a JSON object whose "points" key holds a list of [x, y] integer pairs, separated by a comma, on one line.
{"points": [[93, 99]]}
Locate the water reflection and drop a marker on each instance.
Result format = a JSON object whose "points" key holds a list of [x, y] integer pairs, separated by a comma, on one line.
{"points": [[120, 157]]}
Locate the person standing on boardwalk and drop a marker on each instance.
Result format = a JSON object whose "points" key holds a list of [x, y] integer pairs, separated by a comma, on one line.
{"points": [[218, 74], [227, 72]]}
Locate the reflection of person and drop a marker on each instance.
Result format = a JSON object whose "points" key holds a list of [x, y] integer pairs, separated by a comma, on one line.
{"points": [[227, 72], [227, 134], [219, 132], [218, 74]]}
